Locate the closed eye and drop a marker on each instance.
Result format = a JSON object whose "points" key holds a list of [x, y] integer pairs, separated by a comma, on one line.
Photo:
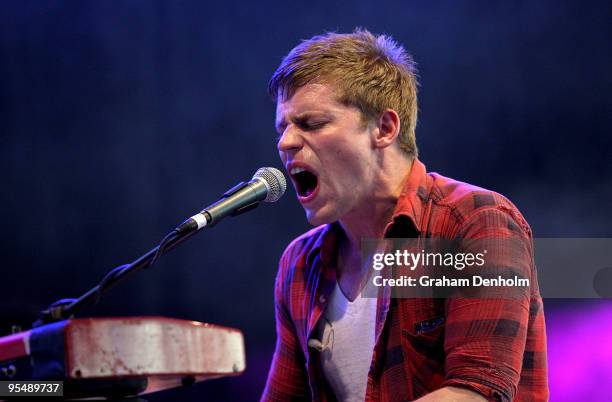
{"points": [[311, 126]]}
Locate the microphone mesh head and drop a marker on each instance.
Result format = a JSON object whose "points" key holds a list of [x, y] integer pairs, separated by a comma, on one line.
{"points": [[275, 181]]}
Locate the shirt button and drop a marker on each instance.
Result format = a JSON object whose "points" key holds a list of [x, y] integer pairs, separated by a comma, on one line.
{"points": [[322, 299]]}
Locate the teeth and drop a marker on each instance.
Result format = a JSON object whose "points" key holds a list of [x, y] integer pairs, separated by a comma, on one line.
{"points": [[297, 170]]}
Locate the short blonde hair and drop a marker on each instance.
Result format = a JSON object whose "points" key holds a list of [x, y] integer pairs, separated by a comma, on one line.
{"points": [[370, 72]]}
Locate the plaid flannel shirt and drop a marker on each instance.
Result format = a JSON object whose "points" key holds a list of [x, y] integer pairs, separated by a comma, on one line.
{"points": [[495, 347]]}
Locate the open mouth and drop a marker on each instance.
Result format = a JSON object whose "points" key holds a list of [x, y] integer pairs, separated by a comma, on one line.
{"points": [[305, 181]]}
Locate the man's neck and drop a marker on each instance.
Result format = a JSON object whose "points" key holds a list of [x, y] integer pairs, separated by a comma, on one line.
{"points": [[372, 216]]}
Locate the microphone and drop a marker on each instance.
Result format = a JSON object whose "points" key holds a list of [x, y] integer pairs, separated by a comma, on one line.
{"points": [[268, 185], [323, 345], [317, 345]]}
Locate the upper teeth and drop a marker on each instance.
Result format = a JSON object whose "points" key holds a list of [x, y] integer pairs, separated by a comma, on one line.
{"points": [[297, 170]]}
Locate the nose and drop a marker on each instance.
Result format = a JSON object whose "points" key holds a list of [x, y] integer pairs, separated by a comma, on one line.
{"points": [[290, 141]]}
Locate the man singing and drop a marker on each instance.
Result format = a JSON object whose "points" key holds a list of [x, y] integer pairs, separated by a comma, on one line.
{"points": [[346, 116]]}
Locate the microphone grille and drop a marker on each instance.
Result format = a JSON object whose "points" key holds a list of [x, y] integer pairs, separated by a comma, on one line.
{"points": [[275, 180]]}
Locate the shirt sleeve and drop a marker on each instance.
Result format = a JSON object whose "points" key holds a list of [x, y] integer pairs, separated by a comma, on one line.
{"points": [[287, 378], [485, 336]]}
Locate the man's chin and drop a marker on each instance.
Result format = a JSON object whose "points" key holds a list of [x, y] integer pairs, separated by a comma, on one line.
{"points": [[318, 217]]}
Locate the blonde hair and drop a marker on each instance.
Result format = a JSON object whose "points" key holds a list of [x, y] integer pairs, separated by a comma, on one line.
{"points": [[370, 72]]}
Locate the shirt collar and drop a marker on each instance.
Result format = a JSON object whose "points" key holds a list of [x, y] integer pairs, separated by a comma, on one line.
{"points": [[410, 205], [326, 245]]}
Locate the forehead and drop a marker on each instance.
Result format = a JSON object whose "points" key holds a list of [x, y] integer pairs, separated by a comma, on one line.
{"points": [[310, 97]]}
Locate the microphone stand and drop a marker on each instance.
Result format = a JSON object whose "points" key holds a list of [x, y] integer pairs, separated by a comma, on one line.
{"points": [[67, 308]]}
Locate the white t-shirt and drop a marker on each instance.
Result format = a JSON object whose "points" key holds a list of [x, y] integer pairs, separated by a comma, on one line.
{"points": [[347, 333]]}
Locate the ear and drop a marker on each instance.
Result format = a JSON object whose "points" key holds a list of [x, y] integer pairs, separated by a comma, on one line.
{"points": [[388, 126]]}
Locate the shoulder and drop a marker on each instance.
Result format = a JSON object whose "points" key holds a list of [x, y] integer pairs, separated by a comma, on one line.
{"points": [[304, 244], [467, 203]]}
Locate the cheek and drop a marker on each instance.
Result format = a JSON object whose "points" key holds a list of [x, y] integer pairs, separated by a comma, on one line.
{"points": [[346, 172], [343, 162], [353, 159]]}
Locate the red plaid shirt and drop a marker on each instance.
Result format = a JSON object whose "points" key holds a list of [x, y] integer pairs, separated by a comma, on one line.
{"points": [[494, 347]]}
